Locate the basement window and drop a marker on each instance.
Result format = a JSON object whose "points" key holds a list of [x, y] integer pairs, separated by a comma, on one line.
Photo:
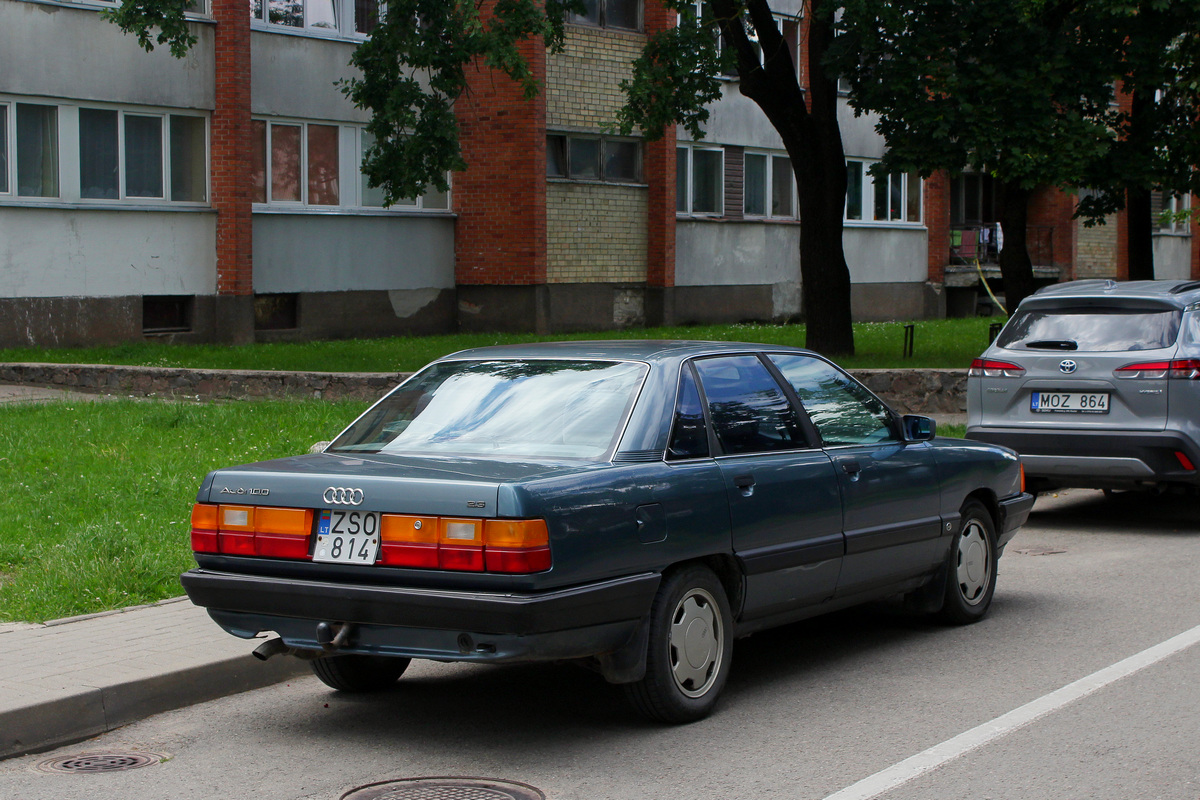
{"points": [[167, 314], [276, 312]]}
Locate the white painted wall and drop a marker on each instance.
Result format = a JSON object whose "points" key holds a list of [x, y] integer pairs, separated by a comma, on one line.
{"points": [[731, 254], [341, 252], [49, 252], [886, 255]]}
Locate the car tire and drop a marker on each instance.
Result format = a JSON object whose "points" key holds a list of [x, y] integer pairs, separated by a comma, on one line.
{"points": [[689, 648], [971, 567], [358, 673]]}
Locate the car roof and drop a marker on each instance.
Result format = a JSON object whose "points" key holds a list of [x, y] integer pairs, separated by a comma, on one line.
{"points": [[1179, 293], [650, 350]]}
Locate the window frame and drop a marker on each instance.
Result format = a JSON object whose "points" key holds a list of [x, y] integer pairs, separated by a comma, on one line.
{"points": [[602, 17], [868, 197], [603, 140], [344, 21], [1172, 204], [69, 158], [690, 183], [769, 186]]}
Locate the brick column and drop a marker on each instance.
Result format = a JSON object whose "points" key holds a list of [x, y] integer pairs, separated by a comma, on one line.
{"points": [[937, 223], [231, 189]]}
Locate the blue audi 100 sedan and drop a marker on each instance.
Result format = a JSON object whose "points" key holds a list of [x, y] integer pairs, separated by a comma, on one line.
{"points": [[634, 505]]}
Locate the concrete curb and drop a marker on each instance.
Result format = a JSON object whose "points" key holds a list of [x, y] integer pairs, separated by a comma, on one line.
{"points": [[93, 710]]}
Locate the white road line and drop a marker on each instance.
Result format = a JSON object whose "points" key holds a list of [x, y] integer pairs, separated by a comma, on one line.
{"points": [[939, 754]]}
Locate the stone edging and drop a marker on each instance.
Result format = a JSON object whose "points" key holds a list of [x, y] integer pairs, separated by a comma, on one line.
{"points": [[917, 391]]}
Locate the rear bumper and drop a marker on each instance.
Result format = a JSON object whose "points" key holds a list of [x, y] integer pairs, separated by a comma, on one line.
{"points": [[1014, 511], [427, 623], [1097, 458]]}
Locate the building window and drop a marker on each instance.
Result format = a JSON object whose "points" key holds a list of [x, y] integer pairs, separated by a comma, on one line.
{"points": [[700, 12], [356, 17], [699, 180], [366, 16], [593, 158], [167, 314], [1165, 211], [276, 312], [123, 155], [891, 199], [37, 150], [3, 148], [769, 188], [432, 200], [624, 14]]}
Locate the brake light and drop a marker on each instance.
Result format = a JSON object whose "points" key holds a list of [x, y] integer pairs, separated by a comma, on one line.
{"points": [[251, 530], [987, 368], [1184, 461], [1186, 369]]}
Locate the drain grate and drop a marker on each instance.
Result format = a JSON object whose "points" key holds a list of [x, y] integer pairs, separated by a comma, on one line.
{"points": [[100, 762], [444, 789]]}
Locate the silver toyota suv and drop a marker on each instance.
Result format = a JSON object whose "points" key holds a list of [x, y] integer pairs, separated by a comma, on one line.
{"points": [[1096, 384]]}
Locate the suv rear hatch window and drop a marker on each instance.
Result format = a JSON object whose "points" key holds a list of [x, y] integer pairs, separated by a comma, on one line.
{"points": [[1091, 329]]}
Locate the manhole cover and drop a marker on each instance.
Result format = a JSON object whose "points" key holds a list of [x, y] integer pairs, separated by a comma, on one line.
{"points": [[444, 789], [100, 762], [1038, 551]]}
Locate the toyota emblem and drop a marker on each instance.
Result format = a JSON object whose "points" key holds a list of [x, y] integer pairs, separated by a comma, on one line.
{"points": [[343, 497], [1067, 366]]}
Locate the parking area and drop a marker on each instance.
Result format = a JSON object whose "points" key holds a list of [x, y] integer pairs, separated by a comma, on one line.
{"points": [[833, 707]]}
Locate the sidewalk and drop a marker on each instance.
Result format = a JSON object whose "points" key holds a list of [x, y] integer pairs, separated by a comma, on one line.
{"points": [[70, 679]]}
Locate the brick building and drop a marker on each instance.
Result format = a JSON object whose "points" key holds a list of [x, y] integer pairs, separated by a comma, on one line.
{"points": [[219, 197]]}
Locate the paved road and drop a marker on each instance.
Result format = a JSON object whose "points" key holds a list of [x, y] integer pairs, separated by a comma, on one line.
{"points": [[826, 708]]}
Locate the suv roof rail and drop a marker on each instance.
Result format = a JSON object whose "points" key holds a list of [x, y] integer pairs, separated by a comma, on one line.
{"points": [[1186, 286]]}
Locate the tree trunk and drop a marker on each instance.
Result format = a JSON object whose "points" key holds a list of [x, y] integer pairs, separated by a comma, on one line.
{"points": [[1140, 245], [807, 123], [1016, 268]]}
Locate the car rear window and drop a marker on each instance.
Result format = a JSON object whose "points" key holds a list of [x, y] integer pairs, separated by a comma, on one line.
{"points": [[1091, 329], [529, 408]]}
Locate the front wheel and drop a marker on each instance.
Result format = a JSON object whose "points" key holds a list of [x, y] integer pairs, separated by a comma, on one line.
{"points": [[689, 650], [971, 578], [358, 673]]}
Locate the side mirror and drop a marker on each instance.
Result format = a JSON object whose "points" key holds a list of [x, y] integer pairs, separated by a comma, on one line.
{"points": [[918, 428]]}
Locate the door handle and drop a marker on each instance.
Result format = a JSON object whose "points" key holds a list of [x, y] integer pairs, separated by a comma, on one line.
{"points": [[852, 468], [745, 484]]}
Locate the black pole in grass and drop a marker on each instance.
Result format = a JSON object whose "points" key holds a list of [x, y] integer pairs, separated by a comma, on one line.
{"points": [[909, 336]]}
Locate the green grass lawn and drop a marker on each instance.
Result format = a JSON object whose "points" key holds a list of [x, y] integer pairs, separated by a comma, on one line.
{"points": [[938, 343], [98, 495]]}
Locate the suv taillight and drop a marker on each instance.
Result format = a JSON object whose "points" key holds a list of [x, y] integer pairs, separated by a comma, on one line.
{"points": [[987, 368], [1187, 369]]}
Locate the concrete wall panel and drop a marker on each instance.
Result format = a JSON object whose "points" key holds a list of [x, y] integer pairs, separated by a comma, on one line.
{"points": [[296, 76], [47, 252], [729, 254], [1172, 257], [62, 51], [339, 253], [886, 255]]}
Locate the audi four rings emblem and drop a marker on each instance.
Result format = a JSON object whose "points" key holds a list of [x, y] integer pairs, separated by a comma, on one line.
{"points": [[1068, 366], [343, 497]]}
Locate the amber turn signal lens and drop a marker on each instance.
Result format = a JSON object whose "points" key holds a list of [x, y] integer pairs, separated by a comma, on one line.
{"points": [[403, 529], [283, 521], [515, 533], [205, 517]]}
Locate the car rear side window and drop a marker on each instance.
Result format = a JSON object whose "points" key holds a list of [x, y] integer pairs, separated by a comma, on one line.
{"points": [[1097, 330], [749, 410], [841, 408], [689, 435]]}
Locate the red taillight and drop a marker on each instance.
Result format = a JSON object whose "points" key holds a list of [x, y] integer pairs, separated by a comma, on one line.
{"points": [[1184, 369], [471, 545], [1184, 461], [987, 368]]}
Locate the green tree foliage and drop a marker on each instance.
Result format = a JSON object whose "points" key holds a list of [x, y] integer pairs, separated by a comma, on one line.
{"points": [[1020, 89]]}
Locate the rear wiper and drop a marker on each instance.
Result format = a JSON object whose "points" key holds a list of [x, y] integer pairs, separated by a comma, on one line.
{"points": [[1052, 344]]}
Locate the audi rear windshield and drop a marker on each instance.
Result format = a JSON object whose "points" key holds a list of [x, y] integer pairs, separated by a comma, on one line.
{"points": [[501, 408], [1091, 329]]}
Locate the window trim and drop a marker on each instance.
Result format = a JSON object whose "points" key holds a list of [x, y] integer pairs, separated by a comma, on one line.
{"points": [[1173, 205], [867, 218], [768, 185], [567, 137], [602, 18], [344, 22], [68, 158], [689, 181]]}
